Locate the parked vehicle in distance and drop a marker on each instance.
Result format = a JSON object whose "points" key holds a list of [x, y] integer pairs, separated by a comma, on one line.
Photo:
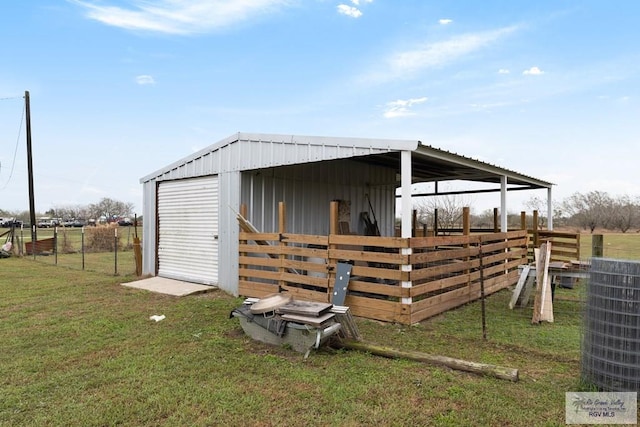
{"points": [[46, 222], [10, 222], [125, 222]]}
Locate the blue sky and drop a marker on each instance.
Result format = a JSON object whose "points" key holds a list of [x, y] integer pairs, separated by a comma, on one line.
{"points": [[120, 88]]}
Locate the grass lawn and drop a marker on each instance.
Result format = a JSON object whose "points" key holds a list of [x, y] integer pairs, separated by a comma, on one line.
{"points": [[616, 245], [78, 349]]}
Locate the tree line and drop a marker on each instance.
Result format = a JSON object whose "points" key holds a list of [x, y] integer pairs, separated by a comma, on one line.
{"points": [[598, 209], [107, 209], [585, 211]]}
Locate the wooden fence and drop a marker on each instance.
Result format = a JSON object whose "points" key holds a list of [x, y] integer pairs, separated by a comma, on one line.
{"points": [[403, 280], [565, 246]]}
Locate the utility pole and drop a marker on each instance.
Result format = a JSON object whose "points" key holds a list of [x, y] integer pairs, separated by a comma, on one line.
{"points": [[32, 203]]}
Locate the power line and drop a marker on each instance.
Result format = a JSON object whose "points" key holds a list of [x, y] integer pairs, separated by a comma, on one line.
{"points": [[15, 151]]}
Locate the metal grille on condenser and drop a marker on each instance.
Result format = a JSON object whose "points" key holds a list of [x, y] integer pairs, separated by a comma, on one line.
{"points": [[611, 340]]}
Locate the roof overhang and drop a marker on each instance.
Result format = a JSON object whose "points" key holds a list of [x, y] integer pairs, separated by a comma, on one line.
{"points": [[433, 165]]}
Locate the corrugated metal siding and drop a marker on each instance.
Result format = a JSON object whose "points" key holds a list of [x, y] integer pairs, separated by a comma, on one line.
{"points": [[307, 191], [188, 229], [256, 151]]}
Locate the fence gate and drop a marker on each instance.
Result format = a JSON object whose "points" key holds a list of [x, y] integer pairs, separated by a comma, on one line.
{"points": [[188, 230]]}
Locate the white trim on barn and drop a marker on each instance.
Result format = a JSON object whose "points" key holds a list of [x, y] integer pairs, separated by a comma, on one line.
{"points": [[307, 172]]}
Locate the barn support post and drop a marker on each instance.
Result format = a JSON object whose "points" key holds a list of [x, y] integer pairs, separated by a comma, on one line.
{"points": [[405, 171], [503, 203], [405, 231]]}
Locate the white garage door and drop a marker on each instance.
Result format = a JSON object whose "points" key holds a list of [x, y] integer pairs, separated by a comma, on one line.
{"points": [[188, 230]]}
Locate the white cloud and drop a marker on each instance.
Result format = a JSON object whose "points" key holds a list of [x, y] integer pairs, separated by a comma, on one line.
{"points": [[177, 17], [432, 55], [402, 107], [533, 71], [503, 71], [445, 21], [145, 79], [353, 12]]}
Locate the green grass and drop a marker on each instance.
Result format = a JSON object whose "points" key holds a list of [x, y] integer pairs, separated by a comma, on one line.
{"points": [[616, 245], [78, 349]]}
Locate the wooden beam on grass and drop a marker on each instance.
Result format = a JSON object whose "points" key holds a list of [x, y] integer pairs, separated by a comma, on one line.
{"points": [[500, 372]]}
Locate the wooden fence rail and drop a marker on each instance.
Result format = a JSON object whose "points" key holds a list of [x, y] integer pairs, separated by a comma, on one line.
{"points": [[565, 246], [403, 280]]}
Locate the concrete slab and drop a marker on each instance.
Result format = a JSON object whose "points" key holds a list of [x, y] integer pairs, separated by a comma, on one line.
{"points": [[166, 286]]}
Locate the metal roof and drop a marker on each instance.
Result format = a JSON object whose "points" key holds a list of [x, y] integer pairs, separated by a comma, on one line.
{"points": [[249, 151], [431, 164]]}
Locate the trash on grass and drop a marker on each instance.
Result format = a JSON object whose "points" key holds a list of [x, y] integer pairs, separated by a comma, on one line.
{"points": [[157, 317]]}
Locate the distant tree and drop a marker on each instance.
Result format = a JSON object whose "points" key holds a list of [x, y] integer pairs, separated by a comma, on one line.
{"points": [[484, 219], [449, 210], [110, 209], [625, 213], [71, 212], [537, 204], [590, 210]]}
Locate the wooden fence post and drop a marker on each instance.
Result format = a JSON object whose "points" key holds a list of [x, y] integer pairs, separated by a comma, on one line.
{"points": [[243, 212], [597, 246], [282, 228], [466, 222], [523, 220], [496, 221], [414, 223], [466, 230], [334, 216], [534, 226], [435, 222]]}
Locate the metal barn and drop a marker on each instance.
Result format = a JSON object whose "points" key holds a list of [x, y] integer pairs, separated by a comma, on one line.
{"points": [[190, 207]]}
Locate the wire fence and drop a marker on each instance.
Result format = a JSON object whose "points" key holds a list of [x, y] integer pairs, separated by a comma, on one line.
{"points": [[105, 249]]}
